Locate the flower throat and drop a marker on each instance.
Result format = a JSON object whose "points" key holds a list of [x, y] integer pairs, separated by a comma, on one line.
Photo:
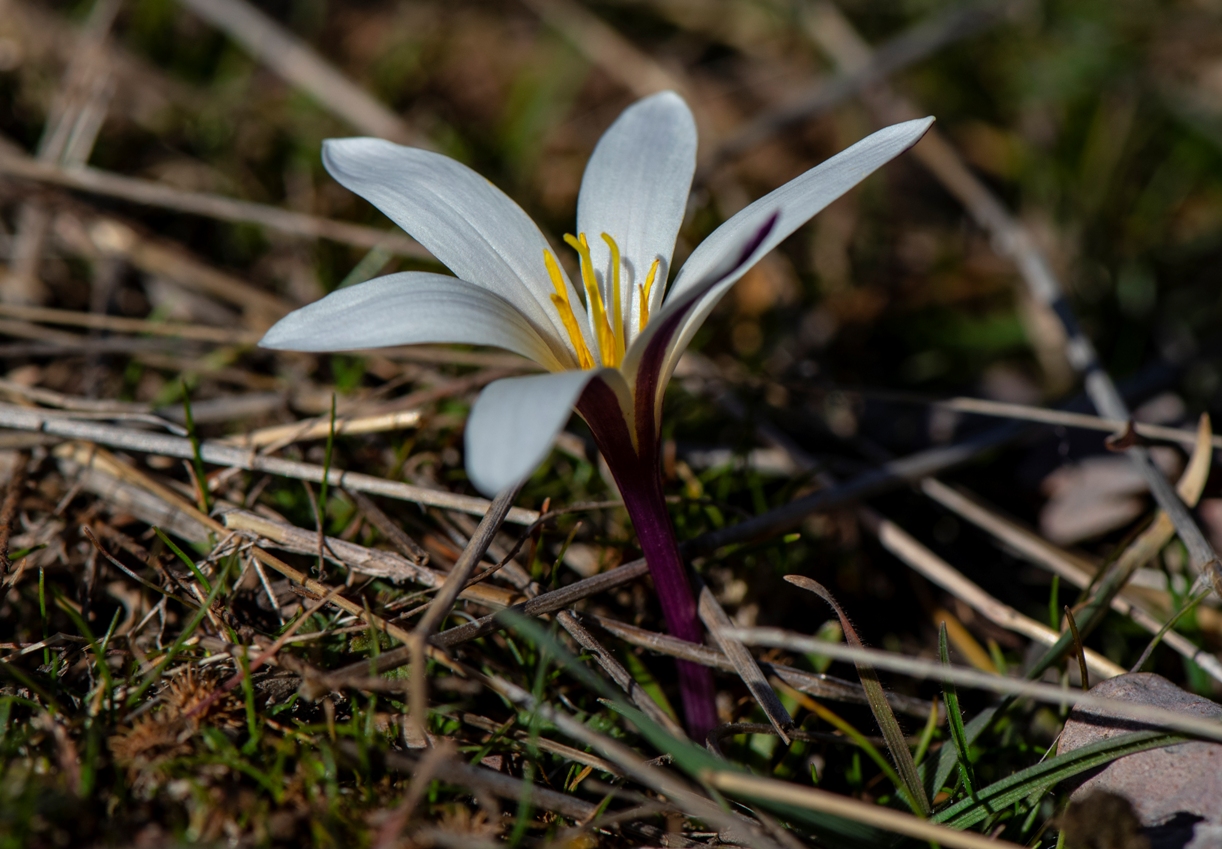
{"points": [[609, 332]]}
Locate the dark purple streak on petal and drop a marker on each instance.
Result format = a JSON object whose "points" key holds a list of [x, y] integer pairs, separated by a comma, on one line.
{"points": [[650, 368]]}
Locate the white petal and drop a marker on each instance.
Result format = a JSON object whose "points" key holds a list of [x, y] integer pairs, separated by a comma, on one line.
{"points": [[794, 204], [513, 423], [406, 309], [470, 225], [635, 189]]}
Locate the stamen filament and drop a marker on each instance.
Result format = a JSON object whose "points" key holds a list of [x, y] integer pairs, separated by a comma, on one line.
{"points": [[561, 301], [594, 300], [617, 303], [646, 289]]}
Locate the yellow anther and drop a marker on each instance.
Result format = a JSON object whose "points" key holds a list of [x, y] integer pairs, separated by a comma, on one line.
{"points": [[646, 289], [561, 301], [616, 304], [594, 300]]}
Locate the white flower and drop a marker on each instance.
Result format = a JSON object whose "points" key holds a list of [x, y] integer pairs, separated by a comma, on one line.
{"points": [[610, 343]]}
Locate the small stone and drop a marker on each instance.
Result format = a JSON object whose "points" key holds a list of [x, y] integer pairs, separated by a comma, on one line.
{"points": [[1175, 791]]}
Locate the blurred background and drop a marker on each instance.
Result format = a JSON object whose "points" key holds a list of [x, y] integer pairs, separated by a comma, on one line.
{"points": [[159, 162]]}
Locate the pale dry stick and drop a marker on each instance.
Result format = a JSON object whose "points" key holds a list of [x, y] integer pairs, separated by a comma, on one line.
{"points": [[718, 623], [152, 193], [43, 421], [299, 64], [90, 471], [1025, 412], [811, 683], [443, 602], [68, 136], [367, 561], [814, 799], [616, 671], [303, 431], [922, 669], [1037, 550], [1012, 240], [904, 546], [374, 418], [119, 324]]}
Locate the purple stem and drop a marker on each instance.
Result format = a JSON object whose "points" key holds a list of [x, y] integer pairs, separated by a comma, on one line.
{"points": [[639, 477], [646, 504]]}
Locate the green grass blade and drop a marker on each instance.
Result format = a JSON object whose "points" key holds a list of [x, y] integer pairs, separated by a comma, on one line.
{"points": [[954, 718], [205, 497], [195, 570], [1034, 780]]}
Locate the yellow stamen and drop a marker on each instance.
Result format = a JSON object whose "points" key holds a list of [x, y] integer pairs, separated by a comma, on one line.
{"points": [[617, 305], [561, 300], [645, 290], [594, 300]]}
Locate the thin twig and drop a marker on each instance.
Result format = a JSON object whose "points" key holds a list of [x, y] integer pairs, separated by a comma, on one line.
{"points": [[618, 673], [922, 669], [151, 193], [300, 65], [442, 603], [718, 623]]}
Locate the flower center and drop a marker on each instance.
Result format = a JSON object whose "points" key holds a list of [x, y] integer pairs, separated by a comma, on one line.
{"points": [[609, 332]]}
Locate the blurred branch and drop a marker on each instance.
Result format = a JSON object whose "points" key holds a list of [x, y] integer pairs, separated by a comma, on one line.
{"points": [[151, 193], [908, 48], [73, 121], [300, 65]]}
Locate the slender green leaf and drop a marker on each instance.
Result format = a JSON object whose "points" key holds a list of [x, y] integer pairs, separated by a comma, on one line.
{"points": [[1035, 780], [195, 570], [955, 719]]}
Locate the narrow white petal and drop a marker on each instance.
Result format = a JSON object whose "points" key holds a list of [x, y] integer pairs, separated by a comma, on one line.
{"points": [[409, 308], [470, 225], [513, 423], [793, 204], [635, 189]]}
